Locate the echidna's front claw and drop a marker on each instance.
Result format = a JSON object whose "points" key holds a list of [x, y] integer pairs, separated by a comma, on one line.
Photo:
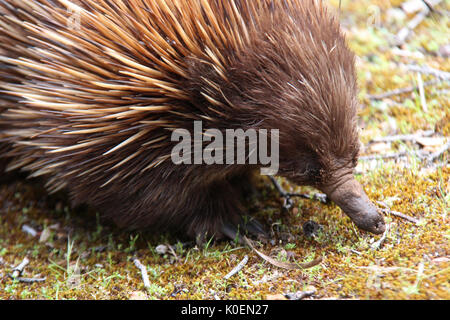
{"points": [[252, 227]]}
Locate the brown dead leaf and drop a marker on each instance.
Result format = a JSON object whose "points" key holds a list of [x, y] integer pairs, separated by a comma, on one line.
{"points": [[284, 265]]}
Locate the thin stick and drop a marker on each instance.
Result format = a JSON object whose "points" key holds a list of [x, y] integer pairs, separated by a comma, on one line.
{"points": [[144, 273], [17, 271], [422, 155], [287, 199], [357, 252], [423, 100], [322, 197], [400, 91], [429, 71], [404, 33], [237, 268], [278, 186], [402, 137], [400, 215], [377, 244], [287, 196], [395, 155], [387, 210], [27, 229], [429, 6], [438, 153], [28, 280]]}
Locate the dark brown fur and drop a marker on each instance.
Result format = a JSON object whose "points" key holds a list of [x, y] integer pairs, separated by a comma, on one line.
{"points": [[256, 64]]}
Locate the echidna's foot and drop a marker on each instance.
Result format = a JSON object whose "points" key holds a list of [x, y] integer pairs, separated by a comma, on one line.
{"points": [[255, 228], [288, 203], [250, 227]]}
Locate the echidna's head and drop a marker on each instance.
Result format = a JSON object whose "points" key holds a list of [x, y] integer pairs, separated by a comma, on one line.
{"points": [[316, 114], [305, 82], [296, 74]]}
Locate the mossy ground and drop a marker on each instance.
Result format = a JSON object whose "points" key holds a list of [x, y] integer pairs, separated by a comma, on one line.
{"points": [[85, 259]]}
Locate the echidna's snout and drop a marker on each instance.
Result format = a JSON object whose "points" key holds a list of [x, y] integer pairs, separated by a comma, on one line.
{"points": [[351, 198]]}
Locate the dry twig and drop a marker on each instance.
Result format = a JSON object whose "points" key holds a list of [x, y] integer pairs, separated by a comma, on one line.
{"points": [[287, 199], [429, 71], [400, 215], [144, 273], [400, 91], [403, 137], [405, 32], [29, 280], [423, 100], [29, 230], [287, 196], [387, 210], [377, 244], [237, 268], [17, 271], [422, 155], [395, 155], [438, 153]]}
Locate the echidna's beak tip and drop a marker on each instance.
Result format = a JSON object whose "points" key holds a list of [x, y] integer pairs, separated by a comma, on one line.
{"points": [[352, 199], [372, 221]]}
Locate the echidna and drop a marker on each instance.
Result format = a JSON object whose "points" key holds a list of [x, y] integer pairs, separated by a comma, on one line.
{"points": [[91, 91]]}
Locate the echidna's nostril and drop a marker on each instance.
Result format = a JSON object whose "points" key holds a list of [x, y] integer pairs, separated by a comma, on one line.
{"points": [[379, 226]]}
